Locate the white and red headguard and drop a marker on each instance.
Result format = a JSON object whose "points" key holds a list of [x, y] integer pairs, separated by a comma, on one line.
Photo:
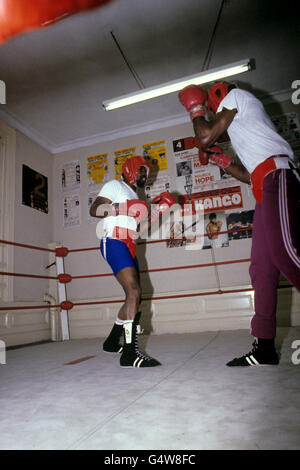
{"points": [[130, 168]]}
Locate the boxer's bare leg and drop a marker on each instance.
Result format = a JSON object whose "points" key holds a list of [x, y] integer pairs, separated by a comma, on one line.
{"points": [[128, 278]]}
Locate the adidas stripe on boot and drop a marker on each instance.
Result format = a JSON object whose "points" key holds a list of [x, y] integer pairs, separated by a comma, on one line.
{"points": [[258, 356]]}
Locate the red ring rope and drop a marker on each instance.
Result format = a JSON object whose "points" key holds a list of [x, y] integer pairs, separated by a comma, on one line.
{"points": [[141, 242], [148, 242], [27, 246], [178, 296], [65, 251], [60, 277], [171, 268], [3, 273]]}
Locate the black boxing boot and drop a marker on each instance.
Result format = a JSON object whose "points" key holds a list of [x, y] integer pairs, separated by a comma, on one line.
{"points": [[132, 356], [112, 343], [263, 353]]}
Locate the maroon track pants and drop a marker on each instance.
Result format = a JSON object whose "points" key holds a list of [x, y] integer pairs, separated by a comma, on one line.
{"points": [[275, 247]]}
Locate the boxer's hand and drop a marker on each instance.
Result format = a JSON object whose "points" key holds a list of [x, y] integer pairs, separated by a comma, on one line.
{"points": [[217, 157], [161, 204], [133, 208], [193, 98]]}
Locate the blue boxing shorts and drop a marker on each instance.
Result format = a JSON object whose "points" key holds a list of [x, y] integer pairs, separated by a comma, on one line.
{"points": [[117, 255]]}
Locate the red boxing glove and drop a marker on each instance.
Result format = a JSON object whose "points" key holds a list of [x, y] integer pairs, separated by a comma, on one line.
{"points": [[133, 208], [216, 157], [193, 98], [160, 205], [18, 15]]}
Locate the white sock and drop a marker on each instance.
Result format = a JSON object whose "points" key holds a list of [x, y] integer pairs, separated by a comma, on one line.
{"points": [[122, 322]]}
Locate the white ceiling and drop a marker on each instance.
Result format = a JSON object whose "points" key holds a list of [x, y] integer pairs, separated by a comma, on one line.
{"points": [[57, 77]]}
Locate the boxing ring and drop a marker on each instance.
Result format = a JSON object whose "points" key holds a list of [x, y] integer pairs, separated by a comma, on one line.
{"points": [[70, 394], [61, 304]]}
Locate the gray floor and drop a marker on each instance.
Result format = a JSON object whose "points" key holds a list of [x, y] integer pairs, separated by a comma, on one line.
{"points": [[192, 402]]}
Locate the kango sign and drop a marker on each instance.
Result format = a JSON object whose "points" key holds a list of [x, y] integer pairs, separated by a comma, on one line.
{"points": [[217, 200]]}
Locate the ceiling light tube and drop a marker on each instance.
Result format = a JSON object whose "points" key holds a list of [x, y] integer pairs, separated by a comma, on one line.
{"points": [[177, 85]]}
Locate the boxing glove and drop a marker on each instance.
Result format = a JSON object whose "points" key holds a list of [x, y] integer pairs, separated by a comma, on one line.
{"points": [[17, 16], [161, 204], [133, 208], [193, 98], [217, 157]]}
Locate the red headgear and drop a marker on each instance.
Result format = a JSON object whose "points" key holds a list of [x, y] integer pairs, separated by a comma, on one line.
{"points": [[216, 93], [130, 168]]}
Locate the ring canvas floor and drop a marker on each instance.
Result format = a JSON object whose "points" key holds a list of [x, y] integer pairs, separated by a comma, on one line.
{"points": [[191, 402]]}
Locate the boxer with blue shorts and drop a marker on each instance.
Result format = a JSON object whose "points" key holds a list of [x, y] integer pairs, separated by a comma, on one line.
{"points": [[122, 213]]}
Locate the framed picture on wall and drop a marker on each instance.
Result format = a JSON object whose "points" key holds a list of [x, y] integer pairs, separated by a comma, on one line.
{"points": [[34, 189]]}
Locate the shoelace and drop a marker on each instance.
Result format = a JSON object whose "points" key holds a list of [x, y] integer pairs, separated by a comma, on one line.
{"points": [[253, 350], [138, 352]]}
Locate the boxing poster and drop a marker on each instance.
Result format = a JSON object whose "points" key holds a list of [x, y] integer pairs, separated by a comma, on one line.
{"points": [[214, 224], [156, 185], [191, 176], [240, 225], [91, 197], [296, 149], [70, 175], [188, 231], [97, 169], [287, 125], [71, 211], [120, 156], [155, 154], [34, 189]]}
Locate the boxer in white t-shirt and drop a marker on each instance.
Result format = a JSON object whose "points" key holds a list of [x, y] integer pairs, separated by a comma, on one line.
{"points": [[123, 212], [268, 164]]}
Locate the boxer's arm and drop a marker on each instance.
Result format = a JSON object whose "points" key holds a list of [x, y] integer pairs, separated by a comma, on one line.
{"points": [[208, 132], [159, 205], [238, 172], [99, 201], [223, 138]]}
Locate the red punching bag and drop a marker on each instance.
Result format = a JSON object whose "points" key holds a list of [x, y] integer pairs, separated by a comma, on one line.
{"points": [[17, 16]]}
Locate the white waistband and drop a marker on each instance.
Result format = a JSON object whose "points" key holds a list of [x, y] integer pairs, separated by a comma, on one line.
{"points": [[284, 162]]}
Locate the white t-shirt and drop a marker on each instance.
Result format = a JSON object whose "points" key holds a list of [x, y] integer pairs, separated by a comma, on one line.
{"points": [[252, 133], [118, 191]]}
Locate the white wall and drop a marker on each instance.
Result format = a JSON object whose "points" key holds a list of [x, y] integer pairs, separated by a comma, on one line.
{"points": [[29, 226], [32, 226]]}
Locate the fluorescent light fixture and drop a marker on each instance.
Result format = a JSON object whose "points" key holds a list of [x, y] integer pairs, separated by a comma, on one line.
{"points": [[177, 85]]}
